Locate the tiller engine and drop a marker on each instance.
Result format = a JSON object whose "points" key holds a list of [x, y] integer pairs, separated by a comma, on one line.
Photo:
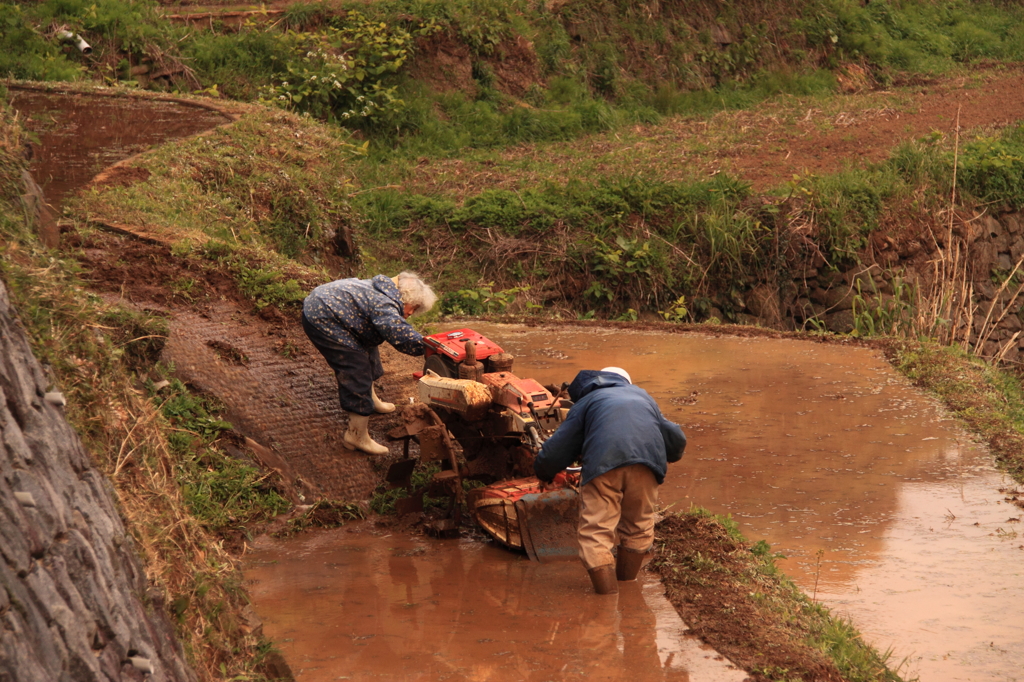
{"points": [[500, 421]]}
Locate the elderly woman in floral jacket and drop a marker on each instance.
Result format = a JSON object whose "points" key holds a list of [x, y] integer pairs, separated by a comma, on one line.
{"points": [[347, 320]]}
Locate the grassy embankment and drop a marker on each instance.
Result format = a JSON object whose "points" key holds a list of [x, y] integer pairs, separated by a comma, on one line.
{"points": [[612, 241], [161, 447]]}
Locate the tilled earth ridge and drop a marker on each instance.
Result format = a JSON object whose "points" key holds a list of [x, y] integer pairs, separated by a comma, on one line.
{"points": [[276, 387]]}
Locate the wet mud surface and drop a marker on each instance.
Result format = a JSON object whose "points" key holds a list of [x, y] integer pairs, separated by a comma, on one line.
{"points": [[887, 512], [276, 387], [79, 135], [365, 604]]}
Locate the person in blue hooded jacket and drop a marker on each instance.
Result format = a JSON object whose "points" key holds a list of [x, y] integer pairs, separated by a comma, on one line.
{"points": [[618, 433], [346, 320]]}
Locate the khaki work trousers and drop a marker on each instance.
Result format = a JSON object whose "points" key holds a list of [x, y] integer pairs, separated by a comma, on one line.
{"points": [[617, 509]]}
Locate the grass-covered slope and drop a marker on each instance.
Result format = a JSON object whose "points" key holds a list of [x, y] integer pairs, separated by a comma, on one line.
{"points": [[177, 489], [446, 75]]}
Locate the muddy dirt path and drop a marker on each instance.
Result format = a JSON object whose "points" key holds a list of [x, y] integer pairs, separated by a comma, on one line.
{"points": [[767, 146], [278, 391]]}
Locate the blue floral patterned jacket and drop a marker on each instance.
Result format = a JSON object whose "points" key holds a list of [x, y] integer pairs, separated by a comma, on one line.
{"points": [[362, 314]]}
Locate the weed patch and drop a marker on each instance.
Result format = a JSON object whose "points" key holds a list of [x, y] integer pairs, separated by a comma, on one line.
{"points": [[222, 492]]}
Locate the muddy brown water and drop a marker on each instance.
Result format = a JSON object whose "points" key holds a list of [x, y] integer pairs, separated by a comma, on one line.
{"points": [[886, 511], [79, 135], [360, 604]]}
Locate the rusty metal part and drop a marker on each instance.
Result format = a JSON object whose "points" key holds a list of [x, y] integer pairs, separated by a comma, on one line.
{"points": [[500, 362], [548, 523], [470, 368], [435, 444], [411, 504], [522, 461], [399, 474], [498, 517], [421, 423]]}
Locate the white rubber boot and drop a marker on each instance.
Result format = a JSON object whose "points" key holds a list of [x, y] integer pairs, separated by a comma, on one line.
{"points": [[379, 405], [358, 438]]}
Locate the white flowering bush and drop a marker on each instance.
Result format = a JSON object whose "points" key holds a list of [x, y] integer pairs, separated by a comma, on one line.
{"points": [[340, 74]]}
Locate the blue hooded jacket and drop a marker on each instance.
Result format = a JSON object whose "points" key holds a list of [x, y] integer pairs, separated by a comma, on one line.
{"points": [[612, 424]]}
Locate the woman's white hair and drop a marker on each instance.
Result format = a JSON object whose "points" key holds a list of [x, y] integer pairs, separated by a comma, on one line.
{"points": [[415, 292]]}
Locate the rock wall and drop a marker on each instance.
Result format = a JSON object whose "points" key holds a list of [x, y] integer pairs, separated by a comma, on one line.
{"points": [[983, 246], [73, 597]]}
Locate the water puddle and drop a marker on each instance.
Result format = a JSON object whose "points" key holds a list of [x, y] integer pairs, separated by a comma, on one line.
{"points": [[886, 510], [78, 135], [358, 604]]}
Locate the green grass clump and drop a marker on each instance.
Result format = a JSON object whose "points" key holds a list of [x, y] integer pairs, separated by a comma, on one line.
{"points": [[383, 499], [221, 492], [271, 180], [27, 54], [914, 36]]}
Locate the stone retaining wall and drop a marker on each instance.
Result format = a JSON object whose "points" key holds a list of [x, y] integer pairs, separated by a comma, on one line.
{"points": [[74, 604], [817, 295]]}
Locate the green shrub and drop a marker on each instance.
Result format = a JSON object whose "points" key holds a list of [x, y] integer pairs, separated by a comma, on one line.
{"points": [[992, 170], [25, 54]]}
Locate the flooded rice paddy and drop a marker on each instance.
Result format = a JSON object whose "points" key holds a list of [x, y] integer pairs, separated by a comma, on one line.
{"points": [[361, 604], [886, 512]]}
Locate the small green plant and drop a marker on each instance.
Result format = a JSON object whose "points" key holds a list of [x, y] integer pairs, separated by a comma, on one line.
{"points": [[876, 315], [340, 74], [221, 491], [383, 500], [622, 271], [480, 300], [323, 514], [629, 316], [267, 287], [676, 312], [185, 288]]}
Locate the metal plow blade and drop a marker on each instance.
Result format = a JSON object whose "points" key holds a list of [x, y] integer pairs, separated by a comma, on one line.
{"points": [[548, 523]]}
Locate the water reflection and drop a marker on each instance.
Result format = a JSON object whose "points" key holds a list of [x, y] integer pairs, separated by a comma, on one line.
{"points": [[360, 604]]}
